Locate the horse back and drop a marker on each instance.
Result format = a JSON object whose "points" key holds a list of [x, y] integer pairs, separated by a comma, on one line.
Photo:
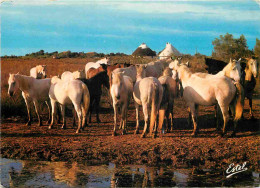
{"points": [[40, 88], [207, 91]]}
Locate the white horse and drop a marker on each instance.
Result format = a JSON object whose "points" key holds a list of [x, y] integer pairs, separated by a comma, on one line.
{"points": [[128, 71], [169, 93], [96, 65], [148, 92], [38, 72], [66, 93], [68, 76], [208, 91], [33, 89], [121, 91]]}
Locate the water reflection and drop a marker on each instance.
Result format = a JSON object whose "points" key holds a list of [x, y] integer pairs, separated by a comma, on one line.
{"points": [[17, 173]]}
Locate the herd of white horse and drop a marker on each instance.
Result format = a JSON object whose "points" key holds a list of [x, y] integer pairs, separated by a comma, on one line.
{"points": [[154, 86]]}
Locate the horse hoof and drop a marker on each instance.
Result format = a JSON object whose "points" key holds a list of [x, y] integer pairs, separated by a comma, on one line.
{"points": [[39, 124], [114, 134], [143, 136], [28, 123], [123, 132], [194, 134], [63, 127], [154, 136], [136, 132], [50, 127], [78, 131]]}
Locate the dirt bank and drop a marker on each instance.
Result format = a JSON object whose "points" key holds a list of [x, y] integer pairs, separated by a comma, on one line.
{"points": [[96, 145]]}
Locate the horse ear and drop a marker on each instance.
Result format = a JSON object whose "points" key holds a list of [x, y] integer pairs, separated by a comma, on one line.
{"points": [[179, 58], [18, 73], [239, 59], [188, 64]]}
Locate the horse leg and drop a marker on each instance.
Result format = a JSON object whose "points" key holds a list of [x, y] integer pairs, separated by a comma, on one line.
{"points": [[161, 120], [115, 114], [53, 107], [194, 118], [84, 115], [37, 109], [171, 112], [79, 113], [90, 110], [168, 122], [251, 108], [28, 109], [146, 116], [97, 109], [123, 116], [74, 117], [217, 116], [63, 116], [137, 118], [225, 113], [49, 111], [189, 118]]}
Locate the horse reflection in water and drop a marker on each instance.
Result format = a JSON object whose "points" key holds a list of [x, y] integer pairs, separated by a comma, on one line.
{"points": [[140, 176], [65, 174], [74, 174]]}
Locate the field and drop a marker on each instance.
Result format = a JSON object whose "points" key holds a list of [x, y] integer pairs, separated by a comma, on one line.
{"points": [[96, 145]]}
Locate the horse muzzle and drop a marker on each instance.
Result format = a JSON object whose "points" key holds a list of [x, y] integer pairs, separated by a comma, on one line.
{"points": [[11, 93]]}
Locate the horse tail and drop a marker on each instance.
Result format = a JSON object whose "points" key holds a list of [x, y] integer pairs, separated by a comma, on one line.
{"points": [[163, 106], [238, 101], [85, 98], [155, 98]]}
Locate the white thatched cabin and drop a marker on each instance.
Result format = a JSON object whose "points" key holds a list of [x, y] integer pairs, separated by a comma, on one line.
{"points": [[169, 51]]}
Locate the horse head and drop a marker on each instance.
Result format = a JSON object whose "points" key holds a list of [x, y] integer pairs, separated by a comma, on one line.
{"points": [[104, 66], [252, 66], [175, 64], [41, 71], [116, 83], [13, 84], [140, 71], [233, 70]]}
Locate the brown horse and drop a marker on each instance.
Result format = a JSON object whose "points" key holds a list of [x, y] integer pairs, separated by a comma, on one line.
{"points": [[110, 68], [249, 81], [93, 72], [169, 93], [94, 85]]}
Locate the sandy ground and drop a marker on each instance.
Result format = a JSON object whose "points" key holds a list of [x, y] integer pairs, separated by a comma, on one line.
{"points": [[96, 145]]}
